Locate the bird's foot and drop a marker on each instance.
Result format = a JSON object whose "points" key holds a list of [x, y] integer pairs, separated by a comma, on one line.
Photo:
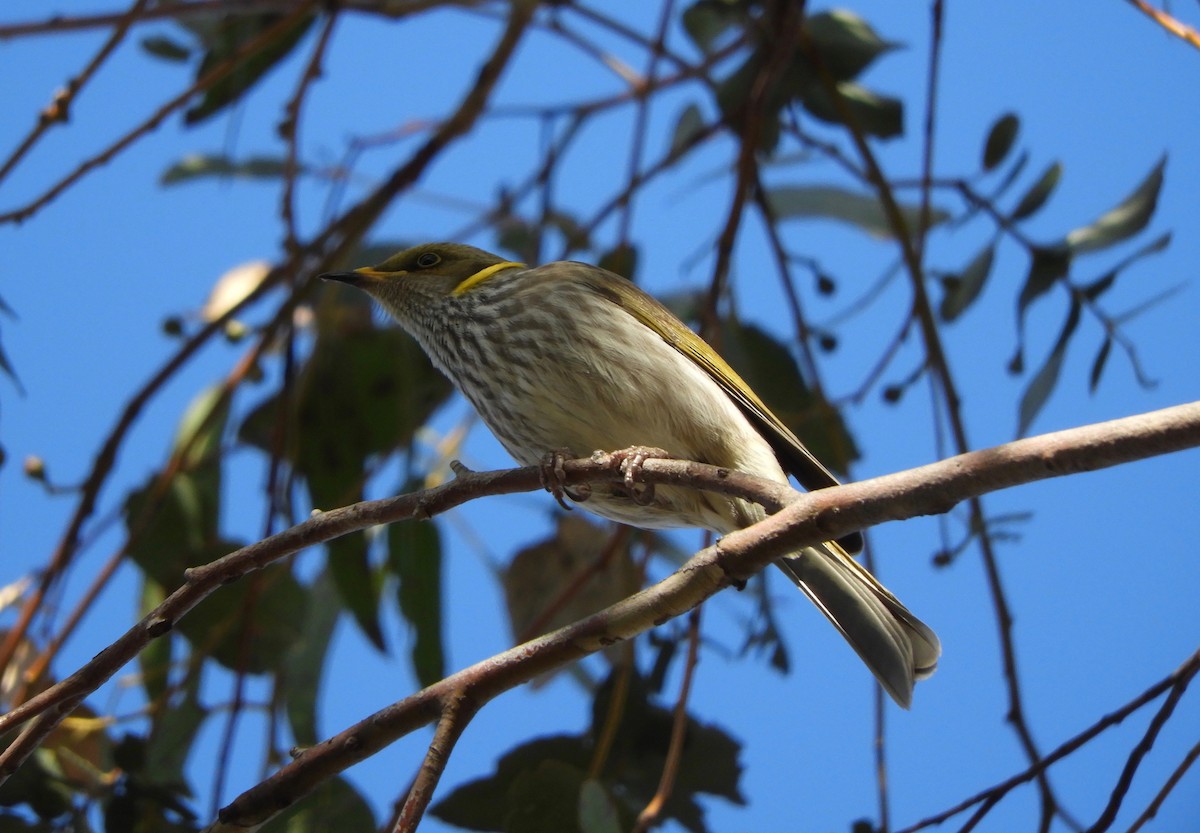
{"points": [[631, 461], [554, 479]]}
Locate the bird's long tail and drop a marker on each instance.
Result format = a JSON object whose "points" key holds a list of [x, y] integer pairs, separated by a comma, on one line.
{"points": [[898, 647]]}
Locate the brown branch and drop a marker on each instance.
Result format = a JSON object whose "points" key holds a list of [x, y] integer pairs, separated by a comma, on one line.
{"points": [[945, 384], [666, 783], [823, 515], [1175, 27], [820, 516], [1161, 796], [151, 124], [457, 711], [58, 111]]}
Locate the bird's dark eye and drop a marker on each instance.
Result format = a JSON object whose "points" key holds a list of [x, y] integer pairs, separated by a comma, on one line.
{"points": [[427, 259]]}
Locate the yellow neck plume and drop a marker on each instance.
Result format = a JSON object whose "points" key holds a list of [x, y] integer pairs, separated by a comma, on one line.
{"points": [[482, 275]]}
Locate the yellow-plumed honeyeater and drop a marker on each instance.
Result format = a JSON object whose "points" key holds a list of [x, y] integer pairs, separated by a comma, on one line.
{"points": [[571, 356]]}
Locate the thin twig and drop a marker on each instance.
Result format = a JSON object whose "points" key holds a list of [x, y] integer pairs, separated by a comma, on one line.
{"points": [[58, 111], [1153, 807], [666, 782], [992, 796], [1175, 27], [457, 711]]}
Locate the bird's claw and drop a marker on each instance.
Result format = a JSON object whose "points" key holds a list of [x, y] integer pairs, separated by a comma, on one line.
{"points": [[554, 478], [631, 461]]}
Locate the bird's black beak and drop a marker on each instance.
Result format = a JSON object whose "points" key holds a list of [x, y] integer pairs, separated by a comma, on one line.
{"points": [[359, 277]]}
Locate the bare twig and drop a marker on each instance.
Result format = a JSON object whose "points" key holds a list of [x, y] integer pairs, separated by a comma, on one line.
{"points": [[457, 711], [1175, 27], [987, 799], [58, 111], [666, 783]]}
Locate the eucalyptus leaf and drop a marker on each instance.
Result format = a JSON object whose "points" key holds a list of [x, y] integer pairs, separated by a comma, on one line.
{"points": [[225, 40], [1000, 140], [1098, 364], [1044, 381], [1048, 264], [415, 559], [876, 115], [688, 126], [834, 203], [970, 283], [168, 49], [1041, 190], [1124, 220], [202, 166], [846, 42]]}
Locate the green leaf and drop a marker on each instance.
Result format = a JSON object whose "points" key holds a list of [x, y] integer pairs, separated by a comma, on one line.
{"points": [[160, 46], [769, 369], [1044, 381], [1098, 364], [845, 42], [415, 559], [1036, 196], [1048, 265], [251, 624], [831, 202], [172, 737], [300, 677], [876, 115], [349, 563], [545, 799], [706, 20], [969, 284], [203, 165], [621, 260], [1000, 140], [333, 805], [482, 804], [597, 811], [688, 126], [547, 575], [1125, 220], [230, 34], [198, 438]]}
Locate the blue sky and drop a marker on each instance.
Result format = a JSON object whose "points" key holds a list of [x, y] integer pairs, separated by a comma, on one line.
{"points": [[1102, 581]]}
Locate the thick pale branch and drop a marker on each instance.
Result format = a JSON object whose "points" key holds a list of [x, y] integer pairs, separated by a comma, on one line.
{"points": [[830, 513]]}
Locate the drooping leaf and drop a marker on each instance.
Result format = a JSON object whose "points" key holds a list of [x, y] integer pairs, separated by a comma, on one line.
{"points": [[846, 43], [1123, 221], [706, 20], [1043, 382], [597, 811], [876, 115], [168, 49], [225, 40], [833, 203], [415, 559], [970, 283], [770, 370], [333, 805], [203, 165], [251, 624], [688, 126], [622, 260], [542, 583], [357, 582], [1047, 265], [300, 677], [1000, 140], [482, 804], [1041, 190], [1098, 364]]}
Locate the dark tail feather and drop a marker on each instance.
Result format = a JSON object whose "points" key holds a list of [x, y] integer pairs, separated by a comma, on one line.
{"points": [[898, 647]]}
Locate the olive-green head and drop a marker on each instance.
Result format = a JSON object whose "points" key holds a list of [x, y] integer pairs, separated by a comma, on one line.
{"points": [[424, 275]]}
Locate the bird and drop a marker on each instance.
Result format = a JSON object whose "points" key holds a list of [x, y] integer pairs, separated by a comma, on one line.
{"points": [[570, 356]]}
